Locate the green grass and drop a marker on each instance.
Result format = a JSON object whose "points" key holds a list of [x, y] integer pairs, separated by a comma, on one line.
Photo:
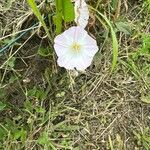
{"points": [[39, 16], [43, 106], [114, 39]]}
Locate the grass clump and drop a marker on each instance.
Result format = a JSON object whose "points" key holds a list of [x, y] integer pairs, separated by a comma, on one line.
{"points": [[43, 106]]}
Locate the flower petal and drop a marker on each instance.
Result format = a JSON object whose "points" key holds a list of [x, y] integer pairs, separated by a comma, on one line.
{"points": [[61, 50], [70, 34], [83, 22], [70, 59], [75, 34], [89, 41], [80, 34], [66, 62], [89, 46], [90, 50], [81, 13], [83, 62], [62, 40]]}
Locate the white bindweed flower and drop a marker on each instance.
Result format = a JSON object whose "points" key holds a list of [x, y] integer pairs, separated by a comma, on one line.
{"points": [[75, 49], [81, 13]]}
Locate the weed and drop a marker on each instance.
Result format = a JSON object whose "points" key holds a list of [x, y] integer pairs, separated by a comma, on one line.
{"points": [[43, 106]]}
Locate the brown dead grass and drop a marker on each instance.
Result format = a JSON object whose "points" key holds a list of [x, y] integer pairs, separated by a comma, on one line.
{"points": [[99, 109]]}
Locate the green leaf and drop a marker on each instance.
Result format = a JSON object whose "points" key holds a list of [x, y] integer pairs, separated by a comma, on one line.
{"points": [[2, 133], [59, 5], [20, 134], [11, 62], [68, 11], [147, 2], [40, 110], [59, 15], [64, 11], [45, 141], [58, 22], [2, 106], [44, 51], [145, 99], [61, 94], [146, 44], [123, 27], [114, 4]]}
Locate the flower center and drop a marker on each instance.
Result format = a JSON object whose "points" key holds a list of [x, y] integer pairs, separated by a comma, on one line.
{"points": [[76, 47]]}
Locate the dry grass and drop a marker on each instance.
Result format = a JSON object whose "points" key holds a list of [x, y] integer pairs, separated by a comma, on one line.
{"points": [[96, 110]]}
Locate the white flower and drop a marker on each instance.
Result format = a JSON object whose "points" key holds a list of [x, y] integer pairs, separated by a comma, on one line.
{"points": [[75, 49], [81, 13]]}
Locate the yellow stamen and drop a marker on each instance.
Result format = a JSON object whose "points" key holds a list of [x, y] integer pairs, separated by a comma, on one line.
{"points": [[76, 47]]}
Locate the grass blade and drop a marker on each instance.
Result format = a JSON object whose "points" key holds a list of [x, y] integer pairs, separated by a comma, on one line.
{"points": [[114, 39], [39, 16]]}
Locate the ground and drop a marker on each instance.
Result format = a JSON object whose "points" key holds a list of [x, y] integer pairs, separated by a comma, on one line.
{"points": [[43, 106]]}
